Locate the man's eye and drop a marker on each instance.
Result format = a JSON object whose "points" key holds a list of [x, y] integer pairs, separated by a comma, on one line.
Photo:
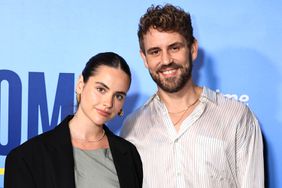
{"points": [[154, 52], [175, 48]]}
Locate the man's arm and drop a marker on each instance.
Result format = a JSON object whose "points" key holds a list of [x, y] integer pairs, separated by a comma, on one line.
{"points": [[250, 166]]}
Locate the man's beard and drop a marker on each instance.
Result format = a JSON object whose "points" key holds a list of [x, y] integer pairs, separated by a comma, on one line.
{"points": [[173, 84]]}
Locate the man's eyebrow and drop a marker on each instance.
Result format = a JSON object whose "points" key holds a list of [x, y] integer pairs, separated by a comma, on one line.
{"points": [[177, 44], [152, 49]]}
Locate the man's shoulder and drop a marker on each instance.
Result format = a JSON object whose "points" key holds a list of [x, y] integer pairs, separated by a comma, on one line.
{"points": [[230, 103], [223, 101], [136, 119], [218, 102], [231, 111], [142, 111], [232, 108]]}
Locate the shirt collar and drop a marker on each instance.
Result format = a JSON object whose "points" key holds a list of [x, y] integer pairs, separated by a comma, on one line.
{"points": [[208, 95], [155, 96]]}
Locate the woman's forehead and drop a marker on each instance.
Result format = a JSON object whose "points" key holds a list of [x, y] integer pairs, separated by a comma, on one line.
{"points": [[114, 78]]}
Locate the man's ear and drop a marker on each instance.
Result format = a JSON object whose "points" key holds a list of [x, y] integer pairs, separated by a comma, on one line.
{"points": [[79, 85], [194, 50], [143, 56]]}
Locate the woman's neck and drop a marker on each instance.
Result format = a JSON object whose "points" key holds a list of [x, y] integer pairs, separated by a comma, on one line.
{"points": [[86, 135], [83, 128]]}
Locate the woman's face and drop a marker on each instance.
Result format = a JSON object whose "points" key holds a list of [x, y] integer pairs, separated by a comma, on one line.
{"points": [[103, 95]]}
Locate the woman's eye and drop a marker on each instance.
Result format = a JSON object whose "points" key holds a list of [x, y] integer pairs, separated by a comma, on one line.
{"points": [[119, 97], [101, 90]]}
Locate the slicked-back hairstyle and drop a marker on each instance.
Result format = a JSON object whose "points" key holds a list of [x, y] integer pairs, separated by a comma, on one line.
{"points": [[166, 18], [110, 59]]}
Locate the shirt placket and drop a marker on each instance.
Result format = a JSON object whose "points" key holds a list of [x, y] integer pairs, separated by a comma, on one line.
{"points": [[180, 180]]}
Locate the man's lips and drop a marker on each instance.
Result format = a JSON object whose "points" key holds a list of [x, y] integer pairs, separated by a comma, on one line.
{"points": [[169, 72], [170, 67]]}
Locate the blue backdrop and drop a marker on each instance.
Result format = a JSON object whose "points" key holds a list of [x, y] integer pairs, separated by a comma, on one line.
{"points": [[45, 44]]}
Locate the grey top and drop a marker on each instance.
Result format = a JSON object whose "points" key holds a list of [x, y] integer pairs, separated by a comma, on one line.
{"points": [[94, 168]]}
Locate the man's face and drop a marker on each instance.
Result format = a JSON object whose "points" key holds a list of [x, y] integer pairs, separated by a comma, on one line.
{"points": [[168, 59]]}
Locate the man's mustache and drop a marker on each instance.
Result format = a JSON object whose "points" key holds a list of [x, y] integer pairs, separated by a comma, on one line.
{"points": [[165, 67]]}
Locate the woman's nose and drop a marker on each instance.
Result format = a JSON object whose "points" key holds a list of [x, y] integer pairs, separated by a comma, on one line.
{"points": [[108, 101]]}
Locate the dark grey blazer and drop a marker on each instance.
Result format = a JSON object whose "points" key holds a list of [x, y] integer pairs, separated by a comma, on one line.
{"points": [[46, 161]]}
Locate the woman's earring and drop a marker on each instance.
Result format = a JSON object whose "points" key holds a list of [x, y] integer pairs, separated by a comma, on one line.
{"points": [[78, 97], [120, 113]]}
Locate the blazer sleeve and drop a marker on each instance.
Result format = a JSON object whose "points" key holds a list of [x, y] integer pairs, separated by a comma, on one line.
{"points": [[17, 173], [138, 164]]}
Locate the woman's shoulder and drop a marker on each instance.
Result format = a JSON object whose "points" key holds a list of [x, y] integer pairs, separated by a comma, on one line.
{"points": [[30, 146], [40, 142], [116, 140]]}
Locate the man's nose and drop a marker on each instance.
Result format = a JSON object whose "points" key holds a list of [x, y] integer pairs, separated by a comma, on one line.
{"points": [[166, 58]]}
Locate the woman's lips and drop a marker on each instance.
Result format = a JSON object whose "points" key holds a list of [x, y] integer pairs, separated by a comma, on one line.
{"points": [[103, 112]]}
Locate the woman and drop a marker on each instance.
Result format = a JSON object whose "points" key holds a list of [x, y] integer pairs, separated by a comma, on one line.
{"points": [[81, 151]]}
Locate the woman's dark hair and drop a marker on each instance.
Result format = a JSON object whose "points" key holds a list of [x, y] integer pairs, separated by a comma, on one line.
{"points": [[110, 59]]}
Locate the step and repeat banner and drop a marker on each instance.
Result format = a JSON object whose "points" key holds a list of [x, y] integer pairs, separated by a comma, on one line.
{"points": [[45, 44]]}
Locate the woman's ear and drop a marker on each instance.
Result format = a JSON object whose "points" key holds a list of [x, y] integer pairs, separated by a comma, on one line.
{"points": [[79, 85]]}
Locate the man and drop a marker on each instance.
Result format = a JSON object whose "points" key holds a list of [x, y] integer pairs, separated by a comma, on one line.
{"points": [[189, 136]]}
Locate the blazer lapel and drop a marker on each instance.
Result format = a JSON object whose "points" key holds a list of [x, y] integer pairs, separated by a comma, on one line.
{"points": [[121, 159], [61, 154]]}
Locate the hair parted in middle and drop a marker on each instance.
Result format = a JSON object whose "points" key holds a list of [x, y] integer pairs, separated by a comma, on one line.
{"points": [[166, 18], [109, 59]]}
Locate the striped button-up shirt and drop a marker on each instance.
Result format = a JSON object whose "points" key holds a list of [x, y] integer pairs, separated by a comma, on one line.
{"points": [[218, 145]]}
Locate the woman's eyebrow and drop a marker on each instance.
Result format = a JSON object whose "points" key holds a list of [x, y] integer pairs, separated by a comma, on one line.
{"points": [[104, 85]]}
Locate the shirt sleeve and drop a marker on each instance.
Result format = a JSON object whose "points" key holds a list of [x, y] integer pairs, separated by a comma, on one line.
{"points": [[250, 166], [125, 130]]}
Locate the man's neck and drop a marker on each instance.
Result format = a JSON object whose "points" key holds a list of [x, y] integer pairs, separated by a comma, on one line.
{"points": [[180, 104], [180, 100]]}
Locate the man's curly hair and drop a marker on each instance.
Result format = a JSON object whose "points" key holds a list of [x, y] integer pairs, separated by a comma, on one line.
{"points": [[166, 18]]}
